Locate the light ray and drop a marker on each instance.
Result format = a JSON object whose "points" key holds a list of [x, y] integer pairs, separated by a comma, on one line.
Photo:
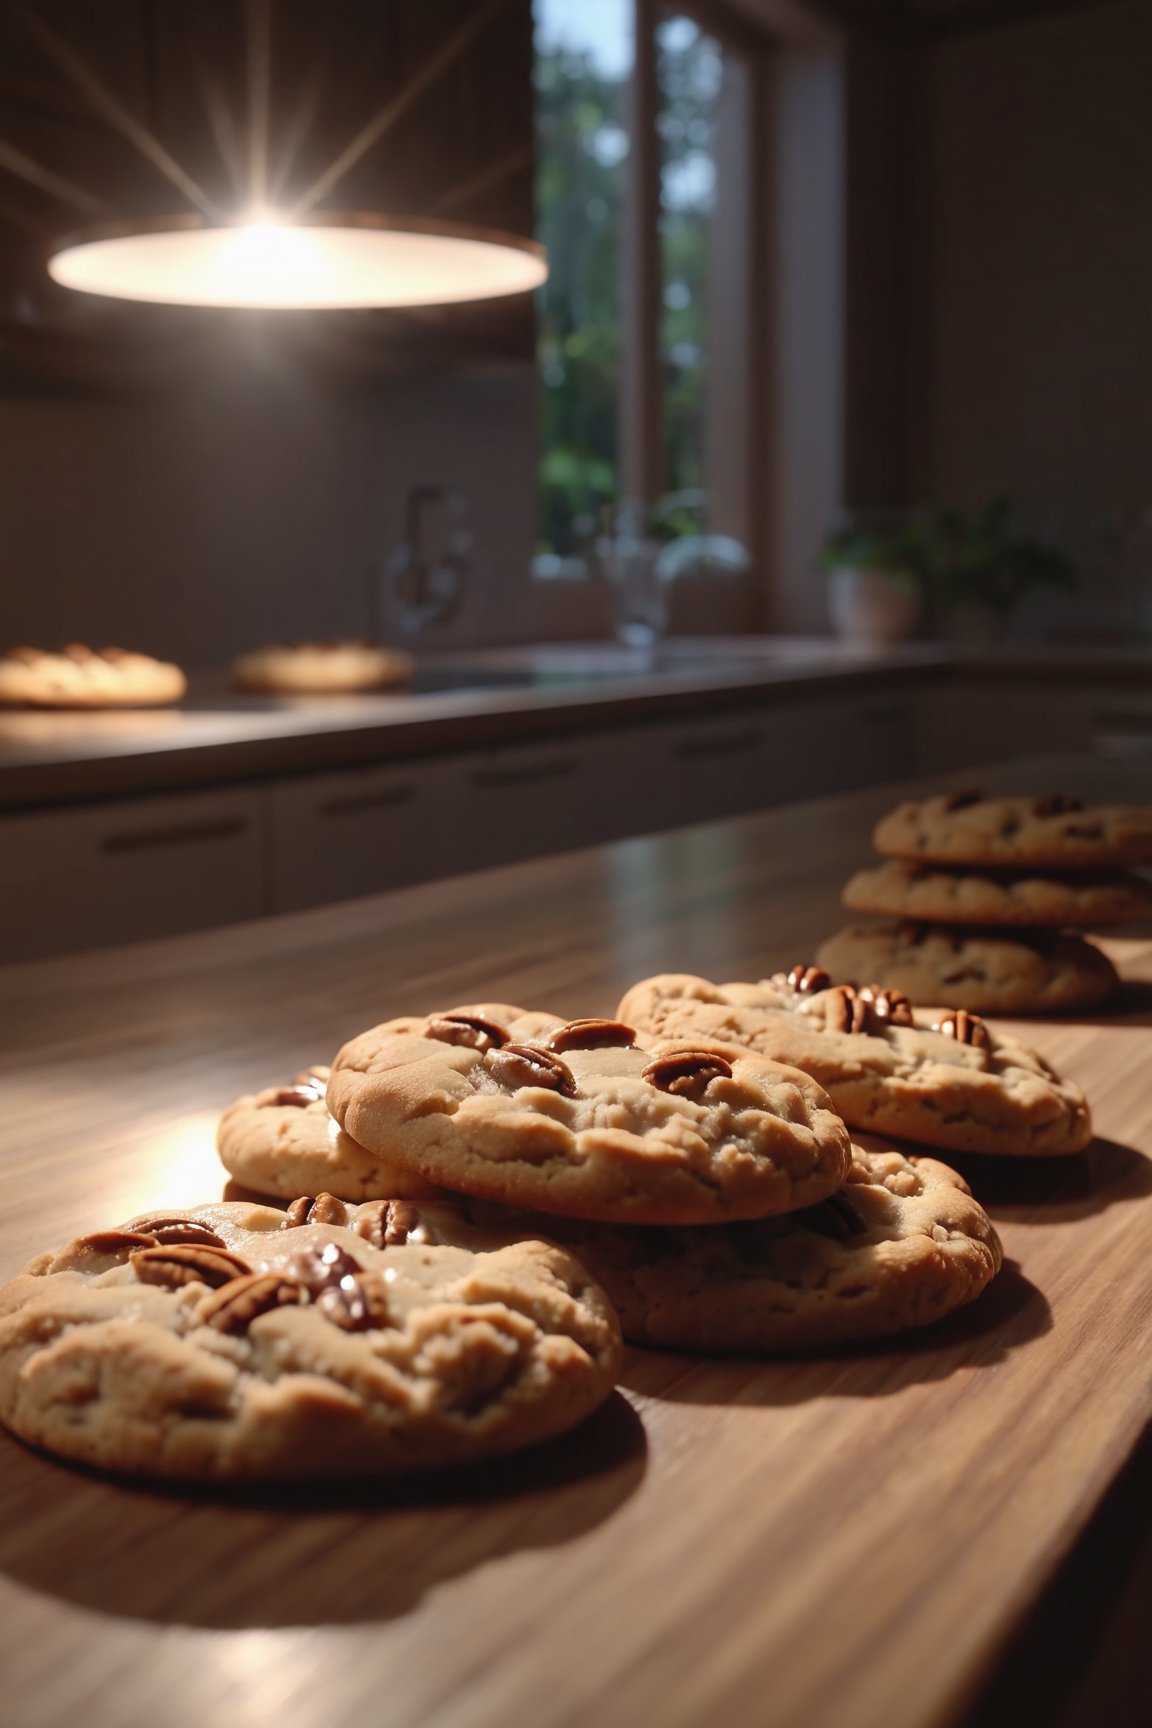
{"points": [[259, 47], [387, 116], [294, 133], [118, 116], [24, 168], [221, 125], [484, 179]]}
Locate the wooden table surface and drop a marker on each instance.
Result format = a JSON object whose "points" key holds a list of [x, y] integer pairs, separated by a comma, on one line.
{"points": [[849, 1541]]}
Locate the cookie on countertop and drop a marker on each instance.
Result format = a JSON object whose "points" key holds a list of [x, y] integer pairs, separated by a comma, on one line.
{"points": [[285, 1141], [82, 677], [320, 668], [1056, 832], [954, 1083], [899, 888], [985, 971], [899, 1246], [581, 1121], [235, 1342]]}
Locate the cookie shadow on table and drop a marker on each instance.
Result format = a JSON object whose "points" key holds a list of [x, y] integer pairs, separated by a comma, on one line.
{"points": [[1130, 1006], [305, 1554], [1052, 1190], [1009, 1313]]}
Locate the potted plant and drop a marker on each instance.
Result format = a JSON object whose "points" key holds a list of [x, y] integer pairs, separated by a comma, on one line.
{"points": [[975, 571], [874, 589]]}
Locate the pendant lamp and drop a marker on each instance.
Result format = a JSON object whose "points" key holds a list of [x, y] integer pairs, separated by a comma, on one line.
{"points": [[323, 260]]}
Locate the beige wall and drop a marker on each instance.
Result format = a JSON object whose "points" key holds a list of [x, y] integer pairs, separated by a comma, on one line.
{"points": [[1030, 354], [250, 503]]}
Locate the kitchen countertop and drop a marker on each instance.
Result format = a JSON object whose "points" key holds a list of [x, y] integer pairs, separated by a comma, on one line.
{"points": [[843, 1541], [459, 701], [485, 697]]}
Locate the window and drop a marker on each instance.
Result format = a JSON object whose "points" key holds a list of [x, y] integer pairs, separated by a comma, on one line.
{"points": [[648, 199]]}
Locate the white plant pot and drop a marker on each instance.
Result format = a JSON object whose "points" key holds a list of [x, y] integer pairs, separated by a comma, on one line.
{"points": [[872, 605]]}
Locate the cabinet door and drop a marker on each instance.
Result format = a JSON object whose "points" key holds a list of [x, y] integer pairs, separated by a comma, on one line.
{"points": [[705, 769], [336, 836], [521, 801], [963, 725], [838, 744], [880, 734], [123, 872]]}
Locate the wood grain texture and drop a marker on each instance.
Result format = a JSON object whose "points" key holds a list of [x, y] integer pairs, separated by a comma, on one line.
{"points": [[844, 1541]]}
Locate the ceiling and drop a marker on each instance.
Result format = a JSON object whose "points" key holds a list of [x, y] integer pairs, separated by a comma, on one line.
{"points": [[920, 20]]}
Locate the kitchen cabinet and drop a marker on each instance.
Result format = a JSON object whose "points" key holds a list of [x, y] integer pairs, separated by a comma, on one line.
{"points": [[982, 721], [517, 802], [336, 836], [127, 870], [838, 744]]}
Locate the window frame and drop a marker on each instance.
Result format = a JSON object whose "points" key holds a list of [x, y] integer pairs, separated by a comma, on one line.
{"points": [[737, 386]]}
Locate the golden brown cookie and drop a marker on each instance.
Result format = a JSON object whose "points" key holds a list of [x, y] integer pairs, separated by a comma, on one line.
{"points": [[320, 668], [237, 1342], [1084, 899], [285, 1141], [1053, 831], [964, 1088], [985, 971], [899, 1246], [581, 1120], [81, 677]]}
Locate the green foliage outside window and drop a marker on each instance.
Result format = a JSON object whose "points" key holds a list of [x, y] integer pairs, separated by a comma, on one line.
{"points": [[579, 194], [582, 151]]}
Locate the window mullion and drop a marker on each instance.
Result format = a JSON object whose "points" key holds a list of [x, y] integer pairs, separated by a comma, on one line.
{"points": [[641, 390]]}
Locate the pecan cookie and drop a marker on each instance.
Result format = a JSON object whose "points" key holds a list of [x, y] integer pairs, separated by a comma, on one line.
{"points": [[1056, 832], [236, 1342], [582, 1121], [285, 1141], [953, 1083], [81, 677], [1084, 900], [900, 1245], [985, 971], [320, 668]]}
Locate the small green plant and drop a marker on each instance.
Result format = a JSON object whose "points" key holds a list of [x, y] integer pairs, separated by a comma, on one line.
{"points": [[871, 545], [964, 559]]}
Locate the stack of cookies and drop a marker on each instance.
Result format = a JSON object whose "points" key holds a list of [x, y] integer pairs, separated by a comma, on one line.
{"points": [[712, 1192], [484, 1201], [983, 900]]}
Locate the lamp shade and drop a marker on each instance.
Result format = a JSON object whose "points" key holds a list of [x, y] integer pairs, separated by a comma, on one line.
{"points": [[325, 260]]}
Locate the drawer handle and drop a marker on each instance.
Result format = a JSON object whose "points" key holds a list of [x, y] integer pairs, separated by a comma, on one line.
{"points": [[725, 744], [528, 776], [142, 839], [353, 802]]}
